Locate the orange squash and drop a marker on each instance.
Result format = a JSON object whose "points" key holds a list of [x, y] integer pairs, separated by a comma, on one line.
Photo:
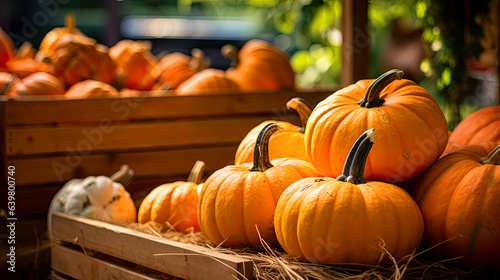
{"points": [[207, 81], [175, 203], [237, 203], [460, 200], [39, 83], [7, 51], [49, 41], [24, 62], [347, 220], [288, 143], [91, 89], [7, 81], [411, 127], [260, 66], [175, 68]]}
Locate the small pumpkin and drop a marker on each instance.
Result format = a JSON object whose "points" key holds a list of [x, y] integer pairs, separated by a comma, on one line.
{"points": [[175, 203], [460, 200], [260, 66], [7, 81], [24, 62], [176, 67], [410, 125], [39, 83], [48, 43], [7, 51], [91, 89], [237, 203], [207, 81], [288, 143], [347, 220]]}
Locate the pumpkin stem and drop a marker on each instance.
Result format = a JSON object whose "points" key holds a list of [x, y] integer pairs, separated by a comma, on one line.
{"points": [[25, 51], [124, 175], [196, 172], [303, 108], [7, 86], [261, 151], [70, 23], [198, 61], [372, 95], [231, 52], [492, 158], [354, 166]]}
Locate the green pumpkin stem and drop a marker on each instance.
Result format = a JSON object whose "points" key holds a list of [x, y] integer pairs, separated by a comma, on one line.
{"points": [[303, 108], [492, 158], [372, 95], [196, 172], [354, 166], [231, 52], [261, 151], [124, 175]]}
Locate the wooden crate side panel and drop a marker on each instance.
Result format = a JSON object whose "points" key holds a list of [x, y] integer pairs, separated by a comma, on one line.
{"points": [[170, 257]]}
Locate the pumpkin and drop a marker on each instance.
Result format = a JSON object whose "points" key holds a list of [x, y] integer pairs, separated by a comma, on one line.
{"points": [[91, 89], [206, 82], [175, 203], [410, 125], [260, 66], [7, 51], [7, 81], [460, 200], [348, 220], [77, 58], [175, 68], [237, 202], [288, 143], [39, 83], [24, 62], [49, 41], [479, 127], [136, 64], [97, 197]]}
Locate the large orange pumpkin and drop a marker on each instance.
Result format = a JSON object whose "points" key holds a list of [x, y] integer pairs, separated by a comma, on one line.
{"points": [[49, 44], [91, 89], [347, 220], [288, 143], [207, 81], [175, 203], [39, 83], [410, 125], [175, 68], [7, 51], [7, 82], [260, 66], [237, 203], [136, 64], [460, 200]]}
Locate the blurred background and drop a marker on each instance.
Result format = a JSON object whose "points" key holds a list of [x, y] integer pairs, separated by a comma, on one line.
{"points": [[448, 47]]}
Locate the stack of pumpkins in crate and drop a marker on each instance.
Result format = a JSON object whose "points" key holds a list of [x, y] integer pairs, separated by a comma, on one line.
{"points": [[68, 63], [371, 173]]}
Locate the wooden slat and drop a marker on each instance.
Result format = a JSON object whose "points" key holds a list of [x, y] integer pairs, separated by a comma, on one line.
{"points": [[35, 110], [152, 164], [126, 136], [79, 266], [177, 259]]}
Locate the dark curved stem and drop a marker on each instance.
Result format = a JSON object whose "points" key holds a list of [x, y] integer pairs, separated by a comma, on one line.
{"points": [[372, 95], [231, 52], [303, 109], [492, 158], [7, 86], [196, 172], [261, 151], [124, 175], [354, 166]]}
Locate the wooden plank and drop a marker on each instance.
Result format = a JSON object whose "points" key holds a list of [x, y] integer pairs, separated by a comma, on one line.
{"points": [[355, 41], [79, 266], [34, 110], [150, 164], [125, 136], [170, 257]]}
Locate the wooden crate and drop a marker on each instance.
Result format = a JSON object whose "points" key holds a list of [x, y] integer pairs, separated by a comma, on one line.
{"points": [[121, 253]]}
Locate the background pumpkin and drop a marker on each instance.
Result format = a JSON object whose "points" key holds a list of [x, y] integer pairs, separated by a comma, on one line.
{"points": [[460, 200], [7, 51], [411, 128], [207, 81], [91, 89], [288, 143], [175, 68], [48, 43], [176, 203], [343, 220], [39, 83], [237, 199]]}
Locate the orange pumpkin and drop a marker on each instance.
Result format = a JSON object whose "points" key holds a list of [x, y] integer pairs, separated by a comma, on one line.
{"points": [[411, 127], [24, 63], [347, 220], [7, 51], [7, 81], [136, 65], [175, 203], [207, 81], [260, 66], [237, 203], [49, 41], [91, 89], [460, 200], [39, 83], [288, 143], [175, 68]]}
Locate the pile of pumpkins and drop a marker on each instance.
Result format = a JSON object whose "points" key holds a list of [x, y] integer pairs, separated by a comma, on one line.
{"points": [[68, 63], [371, 173]]}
